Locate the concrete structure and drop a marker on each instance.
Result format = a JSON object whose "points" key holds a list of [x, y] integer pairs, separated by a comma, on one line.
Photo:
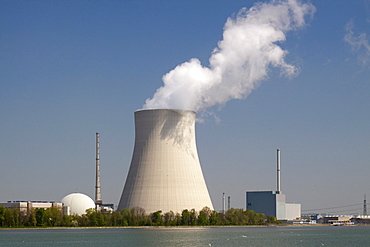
{"points": [[165, 172], [99, 205], [26, 206], [98, 200], [278, 173], [106, 207], [77, 203], [292, 211], [337, 220]]}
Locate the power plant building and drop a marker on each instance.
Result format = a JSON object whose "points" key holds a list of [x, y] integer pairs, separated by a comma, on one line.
{"points": [[165, 172], [273, 203], [26, 206], [77, 203], [268, 203]]}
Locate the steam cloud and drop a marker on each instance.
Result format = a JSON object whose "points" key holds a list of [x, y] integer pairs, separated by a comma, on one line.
{"points": [[240, 61]]}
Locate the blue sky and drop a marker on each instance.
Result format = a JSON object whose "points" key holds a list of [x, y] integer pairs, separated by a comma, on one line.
{"points": [[73, 68]]}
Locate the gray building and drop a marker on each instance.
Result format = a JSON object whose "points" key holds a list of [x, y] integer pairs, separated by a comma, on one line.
{"points": [[26, 206], [272, 203], [267, 202]]}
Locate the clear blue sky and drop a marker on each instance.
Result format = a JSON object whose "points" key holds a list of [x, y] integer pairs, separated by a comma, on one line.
{"points": [[69, 69]]}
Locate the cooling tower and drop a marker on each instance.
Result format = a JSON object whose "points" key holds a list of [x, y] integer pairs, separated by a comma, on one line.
{"points": [[165, 172]]}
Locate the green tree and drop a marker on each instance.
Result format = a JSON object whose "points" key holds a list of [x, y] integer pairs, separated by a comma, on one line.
{"points": [[207, 211], [141, 216], [185, 217], [213, 218], [101, 218], [54, 216], [15, 212], [92, 216], [133, 221], [2, 215], [156, 218], [178, 218], [272, 220], [116, 218], [22, 218], [169, 219], [202, 219], [137, 217], [250, 217], [40, 217], [125, 217], [193, 217], [235, 216], [32, 217], [221, 219], [9, 218], [259, 219], [82, 220], [68, 220]]}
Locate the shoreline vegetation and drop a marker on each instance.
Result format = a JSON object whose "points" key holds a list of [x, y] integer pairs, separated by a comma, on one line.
{"points": [[171, 227], [130, 218]]}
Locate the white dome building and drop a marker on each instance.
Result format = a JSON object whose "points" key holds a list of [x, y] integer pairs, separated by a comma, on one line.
{"points": [[77, 203]]}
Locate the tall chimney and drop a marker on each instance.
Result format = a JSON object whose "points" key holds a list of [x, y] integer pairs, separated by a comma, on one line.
{"points": [[98, 200], [278, 172], [365, 210]]}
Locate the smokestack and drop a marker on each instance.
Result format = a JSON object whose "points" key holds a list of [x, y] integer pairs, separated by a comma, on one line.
{"points": [[228, 202], [365, 210], [278, 172], [98, 200], [165, 172]]}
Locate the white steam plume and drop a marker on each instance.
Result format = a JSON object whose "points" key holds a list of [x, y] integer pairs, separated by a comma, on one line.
{"points": [[240, 61]]}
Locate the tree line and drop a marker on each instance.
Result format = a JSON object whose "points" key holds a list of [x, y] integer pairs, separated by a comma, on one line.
{"points": [[54, 217]]}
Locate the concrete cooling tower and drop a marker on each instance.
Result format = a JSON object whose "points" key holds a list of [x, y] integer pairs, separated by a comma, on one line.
{"points": [[165, 173]]}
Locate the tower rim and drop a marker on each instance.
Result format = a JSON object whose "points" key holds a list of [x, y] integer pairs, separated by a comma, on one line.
{"points": [[165, 109]]}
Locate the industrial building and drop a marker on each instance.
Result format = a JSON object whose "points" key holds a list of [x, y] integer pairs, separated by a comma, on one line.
{"points": [[77, 203], [273, 203], [165, 172], [361, 219], [268, 203], [337, 220], [71, 204], [26, 206]]}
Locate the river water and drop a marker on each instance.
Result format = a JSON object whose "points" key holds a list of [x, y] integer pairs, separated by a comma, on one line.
{"points": [[190, 237]]}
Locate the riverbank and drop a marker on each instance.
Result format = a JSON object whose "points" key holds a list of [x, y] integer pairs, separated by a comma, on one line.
{"points": [[177, 227]]}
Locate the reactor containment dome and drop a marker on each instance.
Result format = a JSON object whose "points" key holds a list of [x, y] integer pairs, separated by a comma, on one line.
{"points": [[77, 203], [165, 172]]}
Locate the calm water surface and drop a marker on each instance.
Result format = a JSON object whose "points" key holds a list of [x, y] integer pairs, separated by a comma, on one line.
{"points": [[192, 237]]}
